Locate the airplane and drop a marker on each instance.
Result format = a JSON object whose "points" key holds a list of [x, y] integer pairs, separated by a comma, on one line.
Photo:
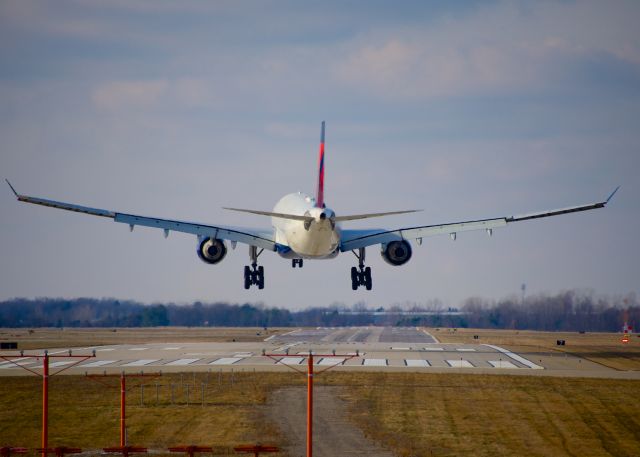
{"points": [[304, 227]]}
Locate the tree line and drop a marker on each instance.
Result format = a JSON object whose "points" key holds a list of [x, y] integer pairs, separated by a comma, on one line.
{"points": [[567, 311]]}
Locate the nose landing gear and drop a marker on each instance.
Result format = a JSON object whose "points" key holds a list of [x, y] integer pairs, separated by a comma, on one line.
{"points": [[360, 276], [296, 262], [254, 274]]}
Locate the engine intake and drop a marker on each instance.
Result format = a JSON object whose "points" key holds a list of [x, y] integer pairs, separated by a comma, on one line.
{"points": [[211, 250], [396, 253]]}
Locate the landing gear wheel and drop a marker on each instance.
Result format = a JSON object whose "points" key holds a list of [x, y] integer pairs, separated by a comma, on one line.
{"points": [[361, 275], [296, 262], [260, 277], [367, 278], [247, 277], [354, 278]]}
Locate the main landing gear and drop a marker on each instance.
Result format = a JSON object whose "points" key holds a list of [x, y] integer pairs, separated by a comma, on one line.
{"points": [[254, 274], [360, 276], [296, 262]]}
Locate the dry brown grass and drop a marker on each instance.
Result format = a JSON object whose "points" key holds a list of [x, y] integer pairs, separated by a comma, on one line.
{"points": [[414, 414], [603, 348], [42, 338], [85, 413], [485, 415]]}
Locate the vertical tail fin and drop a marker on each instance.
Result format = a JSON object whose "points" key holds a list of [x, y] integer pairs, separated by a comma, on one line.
{"points": [[320, 188]]}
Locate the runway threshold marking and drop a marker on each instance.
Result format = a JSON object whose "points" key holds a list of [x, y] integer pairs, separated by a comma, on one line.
{"points": [[433, 349], [417, 363], [327, 361], [459, 364], [59, 364], [465, 350], [375, 362], [139, 363], [181, 362], [502, 364], [226, 361], [98, 363], [291, 360]]}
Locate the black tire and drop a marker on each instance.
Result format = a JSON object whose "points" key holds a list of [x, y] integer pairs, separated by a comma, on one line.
{"points": [[367, 278], [260, 278], [247, 277], [355, 282], [300, 263]]}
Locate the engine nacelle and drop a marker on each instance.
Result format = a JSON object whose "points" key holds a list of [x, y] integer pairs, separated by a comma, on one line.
{"points": [[396, 253], [211, 250]]}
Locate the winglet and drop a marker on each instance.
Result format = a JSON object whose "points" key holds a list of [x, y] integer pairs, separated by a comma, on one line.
{"points": [[612, 194], [16, 193]]}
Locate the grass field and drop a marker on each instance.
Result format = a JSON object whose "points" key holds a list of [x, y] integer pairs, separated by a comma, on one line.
{"points": [[41, 338], [603, 348], [413, 414]]}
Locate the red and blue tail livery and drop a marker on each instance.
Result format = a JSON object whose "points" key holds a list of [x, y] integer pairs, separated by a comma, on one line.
{"points": [[320, 188]]}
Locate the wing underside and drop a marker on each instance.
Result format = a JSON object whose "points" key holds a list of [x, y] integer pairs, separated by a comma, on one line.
{"points": [[355, 239], [255, 237]]}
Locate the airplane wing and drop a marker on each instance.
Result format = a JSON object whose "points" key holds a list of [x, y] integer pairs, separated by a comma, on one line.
{"points": [[355, 239], [255, 237]]}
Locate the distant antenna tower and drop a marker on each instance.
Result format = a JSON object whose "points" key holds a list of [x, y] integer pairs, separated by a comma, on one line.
{"points": [[523, 288]]}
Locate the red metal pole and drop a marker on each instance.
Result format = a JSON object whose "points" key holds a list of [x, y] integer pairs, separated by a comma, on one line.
{"points": [[45, 405], [310, 406], [123, 401]]}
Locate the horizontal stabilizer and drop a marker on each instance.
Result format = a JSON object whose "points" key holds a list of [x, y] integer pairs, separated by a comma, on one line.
{"points": [[354, 217], [294, 217]]}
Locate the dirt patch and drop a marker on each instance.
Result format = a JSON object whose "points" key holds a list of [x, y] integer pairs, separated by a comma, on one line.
{"points": [[333, 434]]}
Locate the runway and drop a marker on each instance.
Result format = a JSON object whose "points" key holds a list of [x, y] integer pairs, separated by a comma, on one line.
{"points": [[358, 348]]}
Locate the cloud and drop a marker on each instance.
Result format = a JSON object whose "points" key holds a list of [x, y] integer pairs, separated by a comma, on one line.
{"points": [[501, 48], [129, 94]]}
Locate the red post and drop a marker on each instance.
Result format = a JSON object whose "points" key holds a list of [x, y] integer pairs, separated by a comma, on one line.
{"points": [[123, 401], [310, 406], [45, 404]]}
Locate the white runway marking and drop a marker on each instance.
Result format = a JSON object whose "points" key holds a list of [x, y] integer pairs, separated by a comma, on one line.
{"points": [[226, 361], [20, 362], [400, 349], [459, 363], [243, 354], [174, 348], [105, 349], [417, 363], [374, 362], [502, 364], [516, 357], [328, 361], [59, 364], [291, 360], [465, 350], [182, 362], [434, 349], [138, 349], [139, 363], [98, 363]]}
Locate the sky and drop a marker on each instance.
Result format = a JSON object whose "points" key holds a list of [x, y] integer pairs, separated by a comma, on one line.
{"points": [[462, 109]]}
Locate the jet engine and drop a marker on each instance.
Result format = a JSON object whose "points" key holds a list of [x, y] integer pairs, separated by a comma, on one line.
{"points": [[396, 253], [211, 250]]}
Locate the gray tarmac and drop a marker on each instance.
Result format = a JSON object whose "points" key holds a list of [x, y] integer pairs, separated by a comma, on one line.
{"points": [[356, 348]]}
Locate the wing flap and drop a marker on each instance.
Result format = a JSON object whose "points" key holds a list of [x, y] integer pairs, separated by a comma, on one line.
{"points": [[226, 233]]}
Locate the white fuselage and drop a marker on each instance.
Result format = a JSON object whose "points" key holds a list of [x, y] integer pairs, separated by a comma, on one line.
{"points": [[315, 240]]}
